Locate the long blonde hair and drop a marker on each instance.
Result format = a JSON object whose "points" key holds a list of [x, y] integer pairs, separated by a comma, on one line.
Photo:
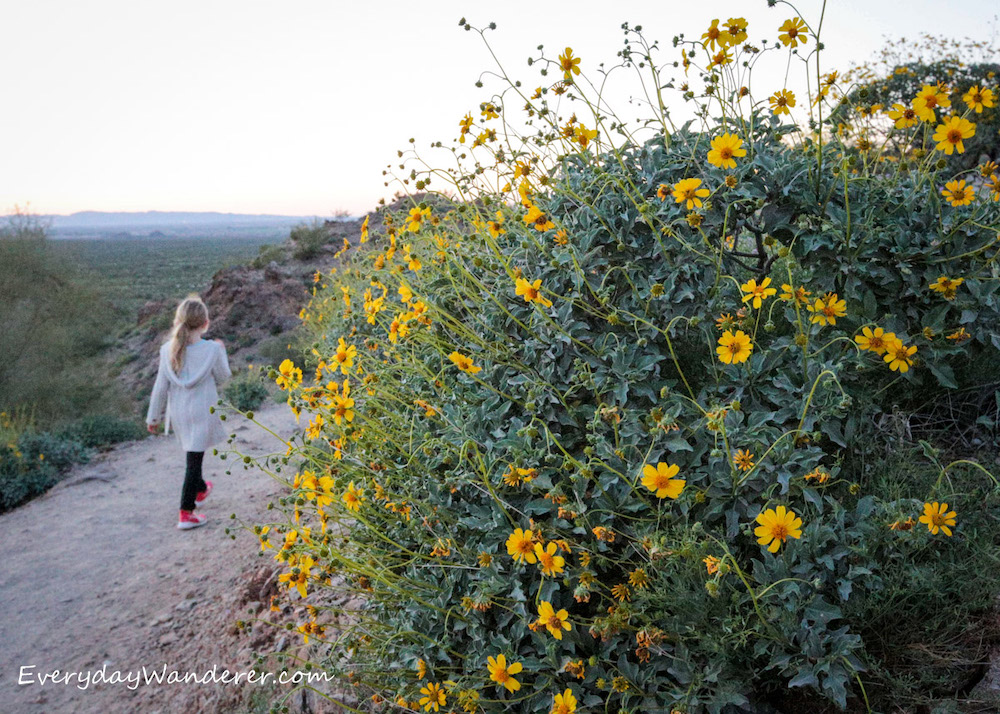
{"points": [[191, 314]]}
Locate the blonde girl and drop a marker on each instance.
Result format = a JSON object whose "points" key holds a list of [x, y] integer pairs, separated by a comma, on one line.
{"points": [[185, 389]]}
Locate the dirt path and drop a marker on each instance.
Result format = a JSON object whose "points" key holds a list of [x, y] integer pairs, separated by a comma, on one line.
{"points": [[94, 572]]}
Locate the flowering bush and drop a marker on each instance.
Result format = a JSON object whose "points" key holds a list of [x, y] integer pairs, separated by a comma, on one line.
{"points": [[606, 426], [32, 461]]}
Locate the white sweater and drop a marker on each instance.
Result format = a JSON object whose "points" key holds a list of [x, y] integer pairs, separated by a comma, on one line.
{"points": [[185, 397]]}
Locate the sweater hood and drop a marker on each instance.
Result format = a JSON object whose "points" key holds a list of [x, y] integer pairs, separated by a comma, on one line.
{"points": [[190, 380]]}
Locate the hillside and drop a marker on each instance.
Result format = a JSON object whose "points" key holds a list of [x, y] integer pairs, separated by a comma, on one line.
{"points": [[254, 308]]}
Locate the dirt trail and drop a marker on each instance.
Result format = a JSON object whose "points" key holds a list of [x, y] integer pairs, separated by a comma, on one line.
{"points": [[95, 572]]}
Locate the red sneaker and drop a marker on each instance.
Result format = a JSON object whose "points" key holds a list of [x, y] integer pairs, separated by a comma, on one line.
{"points": [[190, 519], [202, 495]]}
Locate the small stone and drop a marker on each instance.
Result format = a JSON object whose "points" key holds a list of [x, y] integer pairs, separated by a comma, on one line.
{"points": [[186, 604]]}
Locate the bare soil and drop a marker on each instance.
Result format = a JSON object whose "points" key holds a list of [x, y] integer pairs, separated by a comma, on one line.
{"points": [[95, 573]]}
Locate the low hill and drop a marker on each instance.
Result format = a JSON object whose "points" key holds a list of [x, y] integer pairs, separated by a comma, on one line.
{"points": [[254, 307]]}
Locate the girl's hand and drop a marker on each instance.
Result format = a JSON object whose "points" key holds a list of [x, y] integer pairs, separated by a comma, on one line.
{"points": [[153, 428]]}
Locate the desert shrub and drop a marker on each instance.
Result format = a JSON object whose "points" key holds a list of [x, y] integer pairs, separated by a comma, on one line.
{"points": [[246, 391], [277, 348], [102, 430], [268, 254], [308, 239], [613, 413], [53, 329], [904, 67], [32, 463]]}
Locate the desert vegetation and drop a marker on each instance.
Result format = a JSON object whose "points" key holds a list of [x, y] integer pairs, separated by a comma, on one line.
{"points": [[617, 416]]}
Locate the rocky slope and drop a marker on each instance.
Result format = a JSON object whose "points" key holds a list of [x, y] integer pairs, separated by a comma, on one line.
{"points": [[254, 308]]}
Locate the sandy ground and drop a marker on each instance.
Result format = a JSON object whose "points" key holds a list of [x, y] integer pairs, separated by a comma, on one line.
{"points": [[95, 572]]}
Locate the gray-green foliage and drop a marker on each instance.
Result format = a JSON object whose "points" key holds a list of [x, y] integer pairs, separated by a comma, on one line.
{"points": [[51, 326]]}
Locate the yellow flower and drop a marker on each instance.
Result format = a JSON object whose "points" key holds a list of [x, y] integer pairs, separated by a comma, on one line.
{"points": [[776, 526], [521, 546], [725, 321], [531, 292], [298, 576], [686, 190], [464, 363], [503, 673], [621, 593], [725, 150], [950, 134], [734, 349], [416, 218], [938, 518], [716, 36], [343, 408], [364, 230], [757, 293], [782, 101], [553, 621], [496, 227], [345, 355], [352, 498], [564, 703], [800, 295], [639, 578], [570, 65], [737, 29], [946, 286], [412, 262], [660, 479], [994, 186], [958, 192], [877, 340], [977, 98], [289, 376], [959, 335], [818, 475], [711, 564], [743, 460], [465, 125], [550, 563], [929, 98], [793, 32], [899, 357], [539, 220], [827, 309], [904, 116], [583, 136], [721, 58], [434, 697]]}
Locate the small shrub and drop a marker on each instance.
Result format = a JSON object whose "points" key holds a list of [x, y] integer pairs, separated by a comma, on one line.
{"points": [[267, 255], [308, 239], [246, 392], [102, 430], [276, 349], [33, 465]]}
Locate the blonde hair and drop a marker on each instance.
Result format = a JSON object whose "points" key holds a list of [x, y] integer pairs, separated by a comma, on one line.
{"points": [[191, 314]]}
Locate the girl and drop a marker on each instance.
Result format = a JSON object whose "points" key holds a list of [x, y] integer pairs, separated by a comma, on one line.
{"points": [[185, 389]]}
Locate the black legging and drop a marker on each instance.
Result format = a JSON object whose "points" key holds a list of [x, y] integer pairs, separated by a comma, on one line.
{"points": [[193, 482]]}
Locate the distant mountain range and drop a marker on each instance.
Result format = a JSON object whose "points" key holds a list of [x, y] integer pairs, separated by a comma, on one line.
{"points": [[169, 224]]}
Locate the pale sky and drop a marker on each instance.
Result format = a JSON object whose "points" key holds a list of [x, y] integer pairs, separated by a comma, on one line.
{"points": [[295, 107]]}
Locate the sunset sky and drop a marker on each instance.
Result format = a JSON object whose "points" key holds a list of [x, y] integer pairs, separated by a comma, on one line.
{"points": [[296, 107]]}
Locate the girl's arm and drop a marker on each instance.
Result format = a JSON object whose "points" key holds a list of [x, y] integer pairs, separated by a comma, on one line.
{"points": [[158, 399], [220, 370]]}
